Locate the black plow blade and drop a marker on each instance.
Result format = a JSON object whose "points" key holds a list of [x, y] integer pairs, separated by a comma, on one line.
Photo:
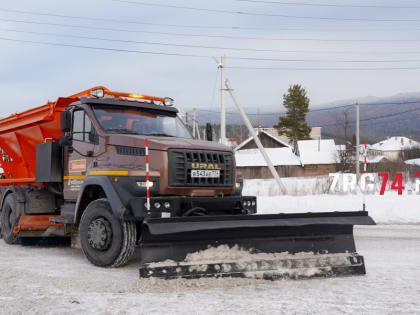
{"points": [[297, 244]]}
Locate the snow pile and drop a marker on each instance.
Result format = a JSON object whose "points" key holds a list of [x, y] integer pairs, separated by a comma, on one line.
{"points": [[384, 209], [278, 156], [258, 265], [296, 186], [395, 144]]}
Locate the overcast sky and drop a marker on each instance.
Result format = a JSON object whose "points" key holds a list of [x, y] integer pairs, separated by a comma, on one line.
{"points": [[31, 74]]}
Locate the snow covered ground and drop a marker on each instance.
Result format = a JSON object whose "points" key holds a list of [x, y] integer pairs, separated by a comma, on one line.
{"points": [[385, 209], [310, 195], [59, 280], [36, 280]]}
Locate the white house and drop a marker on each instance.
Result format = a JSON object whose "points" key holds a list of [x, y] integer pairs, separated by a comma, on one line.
{"points": [[392, 147]]}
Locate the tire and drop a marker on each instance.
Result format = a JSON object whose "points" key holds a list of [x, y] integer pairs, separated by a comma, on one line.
{"points": [[105, 240], [9, 219]]}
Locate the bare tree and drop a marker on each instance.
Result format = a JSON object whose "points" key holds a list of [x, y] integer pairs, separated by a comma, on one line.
{"points": [[345, 163]]}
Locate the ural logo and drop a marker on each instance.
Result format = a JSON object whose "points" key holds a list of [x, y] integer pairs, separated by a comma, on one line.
{"points": [[207, 166]]}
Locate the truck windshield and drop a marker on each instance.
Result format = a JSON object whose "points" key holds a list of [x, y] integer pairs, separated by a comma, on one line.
{"points": [[137, 121]]}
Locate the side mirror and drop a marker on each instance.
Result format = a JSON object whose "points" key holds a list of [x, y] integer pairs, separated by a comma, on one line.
{"points": [[209, 132], [65, 121]]}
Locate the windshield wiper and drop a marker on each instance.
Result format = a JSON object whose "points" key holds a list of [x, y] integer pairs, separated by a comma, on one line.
{"points": [[159, 134], [122, 130]]}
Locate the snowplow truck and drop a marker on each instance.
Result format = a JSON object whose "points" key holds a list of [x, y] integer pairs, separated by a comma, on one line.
{"points": [[118, 171]]}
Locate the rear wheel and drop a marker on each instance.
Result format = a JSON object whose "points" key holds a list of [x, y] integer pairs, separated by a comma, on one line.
{"points": [[9, 219], [105, 240]]}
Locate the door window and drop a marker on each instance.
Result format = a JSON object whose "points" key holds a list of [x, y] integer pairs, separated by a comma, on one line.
{"points": [[82, 127]]}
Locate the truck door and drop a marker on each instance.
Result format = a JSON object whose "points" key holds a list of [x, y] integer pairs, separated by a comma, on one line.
{"points": [[79, 155]]}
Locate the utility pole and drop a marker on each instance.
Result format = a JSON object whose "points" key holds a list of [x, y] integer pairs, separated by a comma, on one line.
{"points": [[256, 139], [193, 124], [357, 140], [222, 65], [196, 129]]}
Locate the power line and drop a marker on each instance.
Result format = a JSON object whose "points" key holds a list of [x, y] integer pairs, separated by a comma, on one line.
{"points": [[247, 13], [215, 47], [184, 55], [329, 5], [222, 36], [325, 69], [207, 47], [101, 48], [319, 109], [375, 118], [227, 27]]}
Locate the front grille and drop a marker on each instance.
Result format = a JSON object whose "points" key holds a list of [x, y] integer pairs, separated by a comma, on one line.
{"points": [[124, 150], [180, 166]]}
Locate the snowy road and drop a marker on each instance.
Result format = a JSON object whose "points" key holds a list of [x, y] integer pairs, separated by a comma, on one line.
{"points": [[37, 280]]}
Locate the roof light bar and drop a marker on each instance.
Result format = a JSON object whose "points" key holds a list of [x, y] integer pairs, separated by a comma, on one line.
{"points": [[101, 91]]}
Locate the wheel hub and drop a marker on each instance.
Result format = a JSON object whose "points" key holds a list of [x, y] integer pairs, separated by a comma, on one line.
{"points": [[99, 234]]}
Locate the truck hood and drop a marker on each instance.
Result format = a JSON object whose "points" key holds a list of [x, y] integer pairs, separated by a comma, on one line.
{"points": [[165, 143]]}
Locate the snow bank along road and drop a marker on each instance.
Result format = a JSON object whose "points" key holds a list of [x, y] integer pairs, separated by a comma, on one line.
{"points": [[36, 280], [385, 209]]}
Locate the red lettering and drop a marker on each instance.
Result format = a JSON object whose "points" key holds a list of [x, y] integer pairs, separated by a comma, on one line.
{"points": [[397, 184], [384, 181]]}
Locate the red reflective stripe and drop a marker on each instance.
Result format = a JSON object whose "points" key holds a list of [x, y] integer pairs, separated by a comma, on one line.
{"points": [[146, 144]]}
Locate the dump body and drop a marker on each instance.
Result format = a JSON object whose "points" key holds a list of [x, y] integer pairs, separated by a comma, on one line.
{"points": [[19, 135]]}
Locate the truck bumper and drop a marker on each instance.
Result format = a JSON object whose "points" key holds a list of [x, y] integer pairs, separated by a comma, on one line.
{"points": [[175, 206]]}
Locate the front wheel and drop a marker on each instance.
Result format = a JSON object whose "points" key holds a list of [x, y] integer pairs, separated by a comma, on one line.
{"points": [[105, 240]]}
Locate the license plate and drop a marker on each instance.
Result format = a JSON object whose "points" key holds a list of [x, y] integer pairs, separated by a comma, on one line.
{"points": [[205, 173]]}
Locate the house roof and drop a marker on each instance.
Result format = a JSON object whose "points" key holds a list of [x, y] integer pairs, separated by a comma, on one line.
{"points": [[258, 133], [317, 151], [395, 144], [413, 162], [278, 156]]}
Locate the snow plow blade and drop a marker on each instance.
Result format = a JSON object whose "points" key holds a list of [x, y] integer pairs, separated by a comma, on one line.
{"points": [[322, 265], [308, 240]]}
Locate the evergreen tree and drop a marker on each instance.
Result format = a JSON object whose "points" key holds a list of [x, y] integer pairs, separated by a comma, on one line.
{"points": [[294, 125]]}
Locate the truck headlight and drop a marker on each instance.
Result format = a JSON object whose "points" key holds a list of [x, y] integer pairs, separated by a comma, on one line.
{"points": [[167, 205]]}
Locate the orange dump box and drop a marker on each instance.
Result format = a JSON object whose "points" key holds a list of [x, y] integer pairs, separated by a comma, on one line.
{"points": [[20, 133]]}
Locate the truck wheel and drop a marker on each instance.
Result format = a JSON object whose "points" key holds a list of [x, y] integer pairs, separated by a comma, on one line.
{"points": [[105, 240], [9, 219]]}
